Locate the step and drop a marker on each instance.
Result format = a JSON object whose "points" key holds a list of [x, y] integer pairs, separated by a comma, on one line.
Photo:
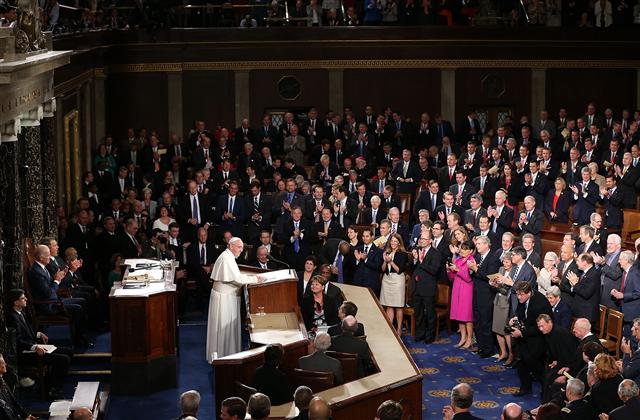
{"points": [[80, 372]]}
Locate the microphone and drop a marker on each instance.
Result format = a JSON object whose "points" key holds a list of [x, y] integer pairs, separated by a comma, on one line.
{"points": [[144, 267], [275, 260]]}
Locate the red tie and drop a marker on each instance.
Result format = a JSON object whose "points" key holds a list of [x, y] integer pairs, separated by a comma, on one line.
{"points": [[613, 157], [450, 174], [622, 282], [423, 253]]}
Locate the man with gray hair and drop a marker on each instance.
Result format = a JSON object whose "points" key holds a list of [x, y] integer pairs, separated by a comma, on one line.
{"points": [[511, 411], [628, 393], [472, 214], [259, 406], [576, 407], [610, 271], [628, 293], [461, 400], [301, 398], [189, 404], [318, 361], [561, 310], [530, 220]]}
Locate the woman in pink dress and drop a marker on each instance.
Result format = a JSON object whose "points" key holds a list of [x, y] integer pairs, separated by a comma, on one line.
{"points": [[462, 293]]}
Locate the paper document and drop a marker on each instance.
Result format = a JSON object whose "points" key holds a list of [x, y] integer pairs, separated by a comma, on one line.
{"points": [[48, 348], [60, 408], [277, 275]]}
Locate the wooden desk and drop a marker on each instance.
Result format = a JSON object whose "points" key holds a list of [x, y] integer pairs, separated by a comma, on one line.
{"points": [[398, 377], [143, 338]]}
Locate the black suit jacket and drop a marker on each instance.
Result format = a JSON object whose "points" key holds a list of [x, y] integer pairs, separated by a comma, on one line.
{"points": [[42, 286], [532, 337], [534, 226], [26, 336], [586, 295], [127, 247], [336, 329], [424, 202], [348, 343], [629, 411], [562, 206], [426, 273], [185, 211], [502, 223], [193, 258]]}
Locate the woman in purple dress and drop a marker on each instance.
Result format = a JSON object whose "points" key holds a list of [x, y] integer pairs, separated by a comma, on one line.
{"points": [[462, 293]]}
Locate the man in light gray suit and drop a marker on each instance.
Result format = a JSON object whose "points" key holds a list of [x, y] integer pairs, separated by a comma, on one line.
{"points": [[319, 361], [611, 272], [544, 123]]}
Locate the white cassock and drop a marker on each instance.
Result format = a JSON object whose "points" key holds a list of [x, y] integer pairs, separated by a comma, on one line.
{"points": [[223, 330]]}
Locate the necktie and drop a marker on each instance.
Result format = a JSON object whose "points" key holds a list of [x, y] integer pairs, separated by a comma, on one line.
{"points": [[613, 157], [366, 250], [436, 241], [404, 170], [623, 281], [528, 215], [202, 255], [422, 254], [195, 211], [450, 174], [256, 205], [296, 242], [84, 229], [433, 202], [515, 273], [339, 267], [289, 197], [475, 213], [224, 176], [381, 189], [231, 199]]}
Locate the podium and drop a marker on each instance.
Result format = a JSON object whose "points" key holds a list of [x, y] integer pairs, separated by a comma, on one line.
{"points": [[143, 337], [282, 323]]}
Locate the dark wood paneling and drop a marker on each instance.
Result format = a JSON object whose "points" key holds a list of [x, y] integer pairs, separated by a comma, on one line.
{"points": [[470, 94], [574, 89], [263, 88], [411, 91], [208, 96], [136, 100]]}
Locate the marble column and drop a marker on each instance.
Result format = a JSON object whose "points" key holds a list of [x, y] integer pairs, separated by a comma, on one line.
{"points": [[242, 98], [11, 218], [448, 95], [174, 97], [336, 90], [538, 91], [32, 152], [49, 169]]}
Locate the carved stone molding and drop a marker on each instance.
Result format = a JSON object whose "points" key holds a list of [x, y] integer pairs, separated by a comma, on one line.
{"points": [[9, 131], [32, 117], [49, 108]]}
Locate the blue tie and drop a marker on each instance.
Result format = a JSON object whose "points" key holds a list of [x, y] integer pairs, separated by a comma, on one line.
{"points": [[339, 267], [296, 242], [290, 197]]}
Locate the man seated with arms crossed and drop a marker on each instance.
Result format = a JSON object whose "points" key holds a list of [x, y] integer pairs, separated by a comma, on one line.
{"points": [[29, 345], [347, 308]]}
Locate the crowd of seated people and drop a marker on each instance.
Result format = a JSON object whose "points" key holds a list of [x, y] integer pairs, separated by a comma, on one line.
{"points": [[383, 201]]}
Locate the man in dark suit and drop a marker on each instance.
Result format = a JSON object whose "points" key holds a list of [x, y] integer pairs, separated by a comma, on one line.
{"points": [[319, 361], [262, 259], [326, 171], [389, 198], [535, 184], [200, 258], [630, 358], [628, 294], [470, 160], [501, 216], [286, 200], [585, 195], [562, 315], [628, 393], [347, 308], [485, 185], [298, 238], [560, 348], [258, 206], [472, 215], [589, 244], [530, 220], [447, 173], [462, 190], [521, 271], [461, 402], [81, 236], [327, 228], [231, 212], [368, 259], [447, 207], [571, 168], [406, 173], [485, 264], [627, 177], [374, 215], [29, 345], [443, 128], [470, 127], [347, 342], [429, 199], [613, 202], [428, 264], [130, 247], [585, 289], [315, 203], [195, 211], [529, 340], [345, 209]]}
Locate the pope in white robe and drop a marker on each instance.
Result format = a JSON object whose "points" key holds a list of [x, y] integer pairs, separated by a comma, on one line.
{"points": [[223, 330]]}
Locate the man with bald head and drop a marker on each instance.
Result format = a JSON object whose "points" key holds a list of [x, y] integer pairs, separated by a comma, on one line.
{"points": [[82, 413], [319, 409], [44, 287], [511, 411], [628, 393], [347, 342], [223, 331], [461, 400]]}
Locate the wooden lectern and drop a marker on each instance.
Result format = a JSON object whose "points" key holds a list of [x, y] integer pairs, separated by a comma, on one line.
{"points": [[282, 323], [143, 338]]}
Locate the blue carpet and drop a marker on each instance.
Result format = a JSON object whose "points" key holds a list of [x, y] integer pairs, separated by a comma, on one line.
{"points": [[443, 366]]}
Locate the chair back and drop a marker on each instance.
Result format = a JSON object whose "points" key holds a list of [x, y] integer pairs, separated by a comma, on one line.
{"points": [[444, 296], [317, 381], [349, 362], [614, 324], [244, 391], [602, 319]]}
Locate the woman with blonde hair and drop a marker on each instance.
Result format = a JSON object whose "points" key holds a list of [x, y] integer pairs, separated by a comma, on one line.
{"points": [[600, 180], [547, 272], [392, 292]]}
